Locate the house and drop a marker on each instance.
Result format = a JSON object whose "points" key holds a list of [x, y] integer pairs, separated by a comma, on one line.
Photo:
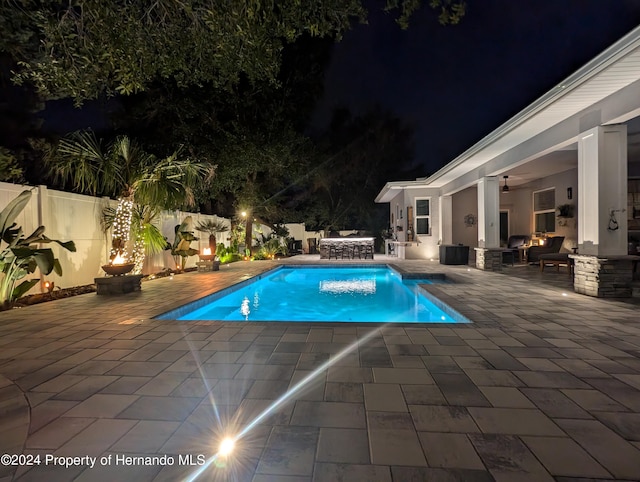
{"points": [[579, 144]]}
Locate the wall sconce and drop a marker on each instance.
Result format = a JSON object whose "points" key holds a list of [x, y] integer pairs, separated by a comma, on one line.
{"points": [[569, 192]]}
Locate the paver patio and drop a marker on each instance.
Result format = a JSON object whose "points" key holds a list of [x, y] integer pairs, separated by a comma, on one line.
{"points": [[543, 385]]}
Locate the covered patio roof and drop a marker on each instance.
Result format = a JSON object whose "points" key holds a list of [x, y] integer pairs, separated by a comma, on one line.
{"points": [[604, 91]]}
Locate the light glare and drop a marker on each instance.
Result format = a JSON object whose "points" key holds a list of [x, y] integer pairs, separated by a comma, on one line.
{"points": [[226, 446]]}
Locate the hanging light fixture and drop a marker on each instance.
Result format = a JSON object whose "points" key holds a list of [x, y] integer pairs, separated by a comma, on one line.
{"points": [[505, 188]]}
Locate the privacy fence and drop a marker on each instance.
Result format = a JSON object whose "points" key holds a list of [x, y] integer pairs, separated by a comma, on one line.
{"points": [[75, 217]]}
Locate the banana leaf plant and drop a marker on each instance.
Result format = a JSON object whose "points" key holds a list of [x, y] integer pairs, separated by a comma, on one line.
{"points": [[181, 245], [20, 255]]}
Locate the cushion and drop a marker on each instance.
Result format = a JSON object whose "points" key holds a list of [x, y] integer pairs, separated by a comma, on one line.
{"points": [[517, 240]]}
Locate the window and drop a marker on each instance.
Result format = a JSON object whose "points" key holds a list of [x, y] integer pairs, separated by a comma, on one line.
{"points": [[423, 224], [544, 211]]}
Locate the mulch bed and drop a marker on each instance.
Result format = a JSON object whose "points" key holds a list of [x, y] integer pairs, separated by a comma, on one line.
{"points": [[60, 293]]}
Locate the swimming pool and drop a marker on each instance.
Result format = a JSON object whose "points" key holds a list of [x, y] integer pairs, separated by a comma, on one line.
{"points": [[323, 294]]}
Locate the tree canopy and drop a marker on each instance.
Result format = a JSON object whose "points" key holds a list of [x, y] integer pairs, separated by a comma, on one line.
{"points": [[233, 81], [360, 153], [124, 169], [83, 49]]}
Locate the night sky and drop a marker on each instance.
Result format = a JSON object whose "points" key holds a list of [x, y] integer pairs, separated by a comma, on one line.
{"points": [[456, 84], [452, 84]]}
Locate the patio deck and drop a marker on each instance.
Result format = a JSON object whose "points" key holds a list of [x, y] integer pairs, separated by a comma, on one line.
{"points": [[544, 385]]}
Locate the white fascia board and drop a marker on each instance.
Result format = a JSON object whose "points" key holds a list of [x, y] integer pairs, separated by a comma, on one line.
{"points": [[391, 189], [484, 150], [619, 107]]}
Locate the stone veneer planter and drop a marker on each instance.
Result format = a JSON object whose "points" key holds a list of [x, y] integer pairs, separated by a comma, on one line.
{"points": [[117, 285], [603, 276]]}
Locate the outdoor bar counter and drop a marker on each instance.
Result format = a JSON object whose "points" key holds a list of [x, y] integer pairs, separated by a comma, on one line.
{"points": [[346, 248]]}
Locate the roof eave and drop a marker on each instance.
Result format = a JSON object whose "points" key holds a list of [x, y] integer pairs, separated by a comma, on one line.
{"points": [[606, 58]]}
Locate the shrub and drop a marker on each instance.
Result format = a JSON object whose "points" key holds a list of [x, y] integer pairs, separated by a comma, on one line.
{"points": [[21, 255]]}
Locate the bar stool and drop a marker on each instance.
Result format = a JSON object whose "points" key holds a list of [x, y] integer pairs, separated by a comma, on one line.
{"points": [[333, 251], [368, 251], [357, 250], [347, 250]]}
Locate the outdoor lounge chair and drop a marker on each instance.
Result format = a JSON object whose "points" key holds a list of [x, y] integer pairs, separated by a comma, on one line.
{"points": [[552, 246], [556, 259], [514, 243]]}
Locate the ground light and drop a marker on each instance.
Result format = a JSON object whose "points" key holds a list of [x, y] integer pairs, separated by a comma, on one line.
{"points": [[228, 443]]}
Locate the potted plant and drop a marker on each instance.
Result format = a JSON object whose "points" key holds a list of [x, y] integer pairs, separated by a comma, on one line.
{"points": [[181, 245], [565, 210]]}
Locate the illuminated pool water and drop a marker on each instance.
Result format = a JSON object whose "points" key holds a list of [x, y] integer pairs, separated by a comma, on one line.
{"points": [[323, 294]]}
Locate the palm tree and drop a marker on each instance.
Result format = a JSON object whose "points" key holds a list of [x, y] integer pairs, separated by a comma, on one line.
{"points": [[212, 227], [122, 169], [148, 237]]}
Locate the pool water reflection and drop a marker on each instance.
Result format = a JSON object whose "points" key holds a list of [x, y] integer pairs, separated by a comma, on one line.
{"points": [[323, 294]]}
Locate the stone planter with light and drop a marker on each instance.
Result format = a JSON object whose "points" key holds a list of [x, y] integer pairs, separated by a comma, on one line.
{"points": [[118, 281]]}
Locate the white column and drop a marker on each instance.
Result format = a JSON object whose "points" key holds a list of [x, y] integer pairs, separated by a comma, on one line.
{"points": [[602, 191], [445, 223], [489, 212]]}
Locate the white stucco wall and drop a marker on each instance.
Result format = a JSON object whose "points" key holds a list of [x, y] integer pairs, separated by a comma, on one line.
{"points": [[522, 220], [297, 232], [518, 202], [465, 202], [428, 244]]}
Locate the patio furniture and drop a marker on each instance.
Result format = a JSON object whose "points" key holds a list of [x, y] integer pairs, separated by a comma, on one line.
{"points": [[368, 251], [556, 259], [295, 246], [516, 244], [313, 245], [346, 248], [509, 256], [552, 246], [336, 250], [454, 254]]}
